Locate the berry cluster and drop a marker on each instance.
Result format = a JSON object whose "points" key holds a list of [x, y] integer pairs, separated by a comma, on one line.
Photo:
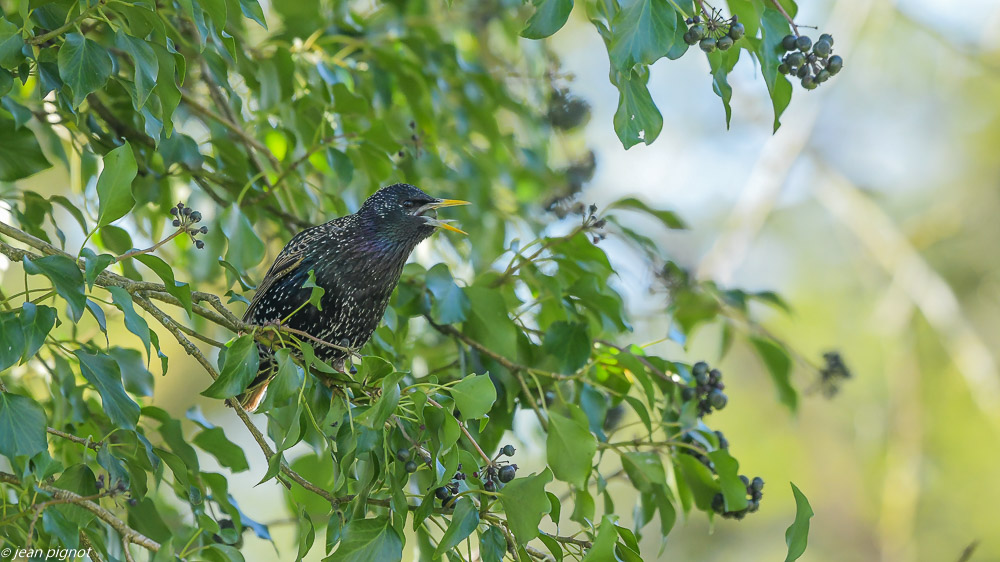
{"points": [[814, 67], [833, 373], [447, 492], [755, 491], [498, 472], [185, 220], [716, 32], [404, 456], [707, 390]]}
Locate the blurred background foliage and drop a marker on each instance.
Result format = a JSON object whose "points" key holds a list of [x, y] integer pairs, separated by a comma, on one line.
{"points": [[870, 211]]}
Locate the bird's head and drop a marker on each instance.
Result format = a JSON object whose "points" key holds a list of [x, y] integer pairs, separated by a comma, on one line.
{"points": [[402, 213]]}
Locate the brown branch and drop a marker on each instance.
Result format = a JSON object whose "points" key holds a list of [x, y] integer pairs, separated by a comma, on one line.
{"points": [[465, 431], [95, 445], [791, 22], [65, 496]]}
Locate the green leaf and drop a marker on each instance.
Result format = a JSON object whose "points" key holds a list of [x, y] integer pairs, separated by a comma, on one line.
{"points": [[66, 277], [668, 218], [797, 534], [251, 9], [12, 344], [22, 426], [21, 114], [779, 365], [604, 544], [36, 322], [774, 27], [162, 270], [84, 66], [642, 33], [492, 544], [645, 470], [213, 441], [464, 521], [102, 371], [245, 248], [570, 447], [549, 17], [133, 322], [11, 43], [20, 155], [450, 305], [734, 491], [317, 292], [569, 343], [699, 479], [474, 395], [114, 187], [238, 369], [146, 65], [368, 540], [525, 503], [722, 63], [637, 118], [94, 264], [489, 323]]}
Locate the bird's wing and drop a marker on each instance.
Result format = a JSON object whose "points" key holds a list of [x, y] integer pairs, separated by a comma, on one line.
{"points": [[291, 256]]}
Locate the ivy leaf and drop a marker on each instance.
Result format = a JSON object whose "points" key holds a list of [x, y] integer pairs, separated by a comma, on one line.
{"points": [[102, 371], [450, 305], [779, 365], [36, 321], [492, 544], [489, 323], [20, 155], [734, 491], [162, 270], [637, 118], [464, 521], [114, 187], [644, 470], [642, 32], [797, 534], [570, 447], [368, 540], [317, 292], [84, 66], [604, 544], [245, 248], [133, 322], [569, 343], [11, 43], [722, 63], [66, 277], [145, 62], [525, 503], [22, 426], [774, 27], [668, 218], [238, 368], [549, 17], [699, 479], [474, 395], [12, 343], [252, 10], [214, 442], [94, 264]]}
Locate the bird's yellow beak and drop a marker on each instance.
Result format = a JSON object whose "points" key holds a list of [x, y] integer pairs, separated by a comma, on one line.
{"points": [[443, 223]]}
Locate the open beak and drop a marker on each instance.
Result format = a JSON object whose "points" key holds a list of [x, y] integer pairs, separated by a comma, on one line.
{"points": [[443, 223]]}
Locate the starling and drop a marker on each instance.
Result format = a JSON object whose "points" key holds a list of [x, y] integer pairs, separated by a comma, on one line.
{"points": [[357, 259]]}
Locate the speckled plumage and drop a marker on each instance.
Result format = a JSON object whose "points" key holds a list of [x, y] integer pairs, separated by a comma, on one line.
{"points": [[357, 259]]}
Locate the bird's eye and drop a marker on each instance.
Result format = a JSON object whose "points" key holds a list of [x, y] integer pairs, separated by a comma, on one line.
{"points": [[409, 204]]}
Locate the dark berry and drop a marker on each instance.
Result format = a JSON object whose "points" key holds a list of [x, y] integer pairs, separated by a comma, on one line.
{"points": [[411, 466], [827, 38], [783, 68], [803, 72], [403, 454], [132, 502], [808, 83], [714, 376], [199, 244], [723, 442], [822, 49], [689, 38], [508, 450], [744, 479], [701, 378], [490, 486], [195, 216], [737, 31], [788, 42], [173, 211], [176, 222], [688, 394], [699, 368], [697, 32], [187, 211], [822, 76], [795, 60], [753, 506], [718, 503], [203, 230], [835, 64], [708, 44], [718, 399], [757, 483], [506, 473], [725, 42], [442, 493], [803, 43]]}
